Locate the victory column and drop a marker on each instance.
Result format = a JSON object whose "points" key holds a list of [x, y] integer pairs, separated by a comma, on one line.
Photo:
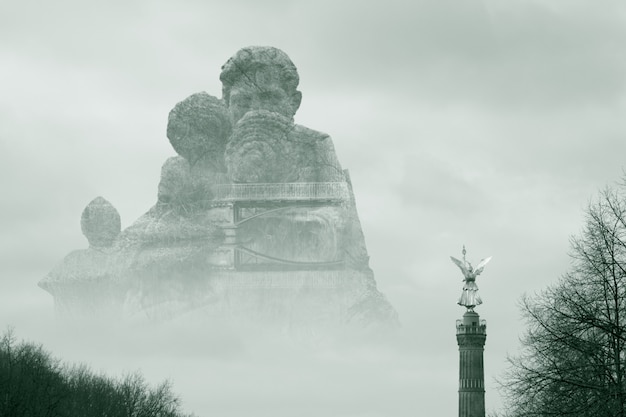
{"points": [[471, 333]]}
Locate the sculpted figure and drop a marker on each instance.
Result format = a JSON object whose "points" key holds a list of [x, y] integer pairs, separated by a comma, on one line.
{"points": [[263, 78], [179, 214], [260, 78], [470, 297], [92, 267], [283, 243], [177, 235], [260, 89], [165, 251], [198, 128]]}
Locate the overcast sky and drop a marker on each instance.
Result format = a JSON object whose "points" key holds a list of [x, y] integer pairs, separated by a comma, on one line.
{"points": [[484, 123]]}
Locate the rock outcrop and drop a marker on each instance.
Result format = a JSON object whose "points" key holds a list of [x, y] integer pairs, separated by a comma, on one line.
{"points": [[255, 219]]}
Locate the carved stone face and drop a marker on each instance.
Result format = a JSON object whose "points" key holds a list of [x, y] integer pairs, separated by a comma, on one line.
{"points": [[262, 91]]}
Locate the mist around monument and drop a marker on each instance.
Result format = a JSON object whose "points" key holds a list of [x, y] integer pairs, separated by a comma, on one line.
{"points": [[252, 254], [481, 123], [255, 222], [291, 292], [171, 291]]}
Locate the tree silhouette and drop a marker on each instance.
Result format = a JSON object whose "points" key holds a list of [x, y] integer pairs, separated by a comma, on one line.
{"points": [[573, 357], [33, 384]]}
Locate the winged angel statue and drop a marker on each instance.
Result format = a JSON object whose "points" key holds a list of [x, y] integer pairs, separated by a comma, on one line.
{"points": [[470, 297]]}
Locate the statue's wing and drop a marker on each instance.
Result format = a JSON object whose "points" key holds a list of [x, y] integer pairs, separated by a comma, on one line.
{"points": [[481, 265], [460, 264]]}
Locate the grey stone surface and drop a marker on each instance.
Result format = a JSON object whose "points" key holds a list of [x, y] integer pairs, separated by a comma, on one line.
{"points": [[187, 188], [260, 78], [100, 222], [254, 219], [198, 128], [268, 147]]}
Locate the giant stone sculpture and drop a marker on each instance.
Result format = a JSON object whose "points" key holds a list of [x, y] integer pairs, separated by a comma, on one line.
{"points": [[254, 219]]}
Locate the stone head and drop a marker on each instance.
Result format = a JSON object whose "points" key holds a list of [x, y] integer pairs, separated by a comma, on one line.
{"points": [[100, 223], [260, 78], [198, 127]]}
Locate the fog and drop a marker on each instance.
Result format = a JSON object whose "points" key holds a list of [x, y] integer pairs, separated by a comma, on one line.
{"points": [[474, 123]]}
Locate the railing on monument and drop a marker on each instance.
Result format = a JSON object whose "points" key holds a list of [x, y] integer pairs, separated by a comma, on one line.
{"points": [[461, 328], [294, 191]]}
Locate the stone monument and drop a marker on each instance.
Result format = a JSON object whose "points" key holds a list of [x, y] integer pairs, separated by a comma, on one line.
{"points": [[471, 333], [255, 219]]}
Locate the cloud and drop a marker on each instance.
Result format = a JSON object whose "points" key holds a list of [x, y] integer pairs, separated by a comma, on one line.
{"points": [[482, 123], [524, 56]]}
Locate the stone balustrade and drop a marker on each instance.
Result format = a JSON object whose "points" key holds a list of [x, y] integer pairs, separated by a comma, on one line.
{"points": [[305, 191]]}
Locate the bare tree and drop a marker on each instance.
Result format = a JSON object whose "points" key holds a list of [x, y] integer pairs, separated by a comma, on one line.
{"points": [[573, 352], [30, 380]]}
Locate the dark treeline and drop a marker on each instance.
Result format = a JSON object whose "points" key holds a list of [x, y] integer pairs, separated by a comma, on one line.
{"points": [[34, 384]]}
